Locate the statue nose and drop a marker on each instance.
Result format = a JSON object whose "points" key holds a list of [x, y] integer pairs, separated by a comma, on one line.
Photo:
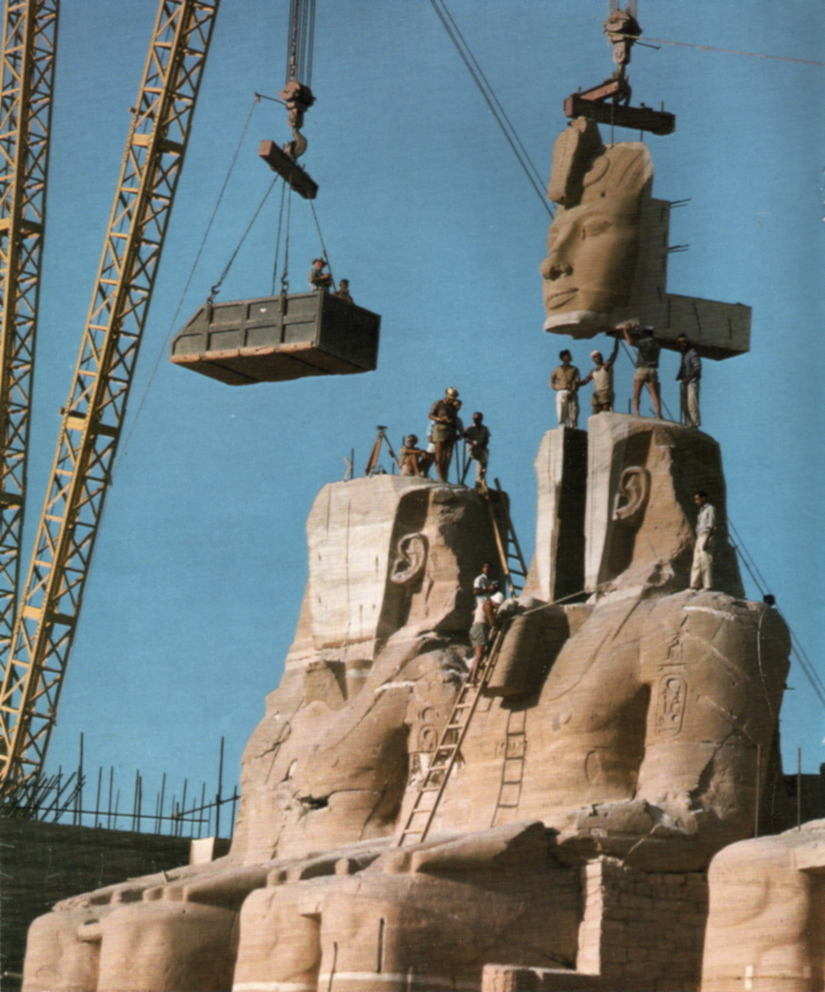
{"points": [[559, 269]]}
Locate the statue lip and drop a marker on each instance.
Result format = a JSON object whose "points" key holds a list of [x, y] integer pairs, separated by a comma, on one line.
{"points": [[561, 297]]}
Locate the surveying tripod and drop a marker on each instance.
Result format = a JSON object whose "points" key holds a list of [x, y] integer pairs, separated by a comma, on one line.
{"points": [[372, 462]]}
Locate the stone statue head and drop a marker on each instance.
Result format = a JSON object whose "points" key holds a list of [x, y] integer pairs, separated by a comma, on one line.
{"points": [[391, 566], [640, 517], [388, 552], [593, 242]]}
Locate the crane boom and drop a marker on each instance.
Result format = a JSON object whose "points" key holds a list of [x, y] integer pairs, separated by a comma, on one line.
{"points": [[94, 412], [27, 60]]}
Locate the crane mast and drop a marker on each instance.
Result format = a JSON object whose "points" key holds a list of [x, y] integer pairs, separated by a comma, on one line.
{"points": [[94, 413], [27, 77]]}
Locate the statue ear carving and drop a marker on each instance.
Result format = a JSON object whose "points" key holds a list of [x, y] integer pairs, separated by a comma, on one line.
{"points": [[410, 559], [631, 499]]}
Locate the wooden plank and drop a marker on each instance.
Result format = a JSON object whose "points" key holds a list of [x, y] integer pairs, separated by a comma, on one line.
{"points": [[278, 160], [635, 118]]}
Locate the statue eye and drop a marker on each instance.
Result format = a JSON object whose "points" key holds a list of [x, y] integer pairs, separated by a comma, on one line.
{"points": [[593, 228]]}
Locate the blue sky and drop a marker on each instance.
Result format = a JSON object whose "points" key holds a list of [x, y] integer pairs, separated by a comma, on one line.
{"points": [[200, 564]]}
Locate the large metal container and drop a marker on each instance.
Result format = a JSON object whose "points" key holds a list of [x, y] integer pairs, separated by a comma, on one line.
{"points": [[276, 338]]}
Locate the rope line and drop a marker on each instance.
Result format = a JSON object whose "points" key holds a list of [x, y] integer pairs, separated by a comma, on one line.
{"points": [[729, 51], [489, 101], [750, 556], [174, 322], [491, 91], [285, 273], [249, 226], [321, 237], [797, 650], [278, 240]]}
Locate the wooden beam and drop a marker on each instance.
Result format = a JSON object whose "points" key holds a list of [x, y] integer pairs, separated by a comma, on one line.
{"points": [[278, 160], [635, 118]]}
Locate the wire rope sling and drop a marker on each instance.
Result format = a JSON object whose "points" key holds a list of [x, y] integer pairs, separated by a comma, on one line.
{"points": [[289, 335]]}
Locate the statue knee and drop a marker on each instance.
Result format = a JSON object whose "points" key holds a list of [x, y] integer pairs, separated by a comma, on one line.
{"points": [[279, 939], [63, 951], [165, 946]]}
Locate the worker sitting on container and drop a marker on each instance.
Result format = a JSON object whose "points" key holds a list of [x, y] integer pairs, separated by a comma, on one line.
{"points": [[343, 291], [444, 414], [319, 279], [413, 460]]}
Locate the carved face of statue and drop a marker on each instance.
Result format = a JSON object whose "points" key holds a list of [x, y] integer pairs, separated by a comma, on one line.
{"points": [[591, 260], [593, 242]]}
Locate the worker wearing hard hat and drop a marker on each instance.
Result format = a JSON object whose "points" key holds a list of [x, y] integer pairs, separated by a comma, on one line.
{"points": [[444, 414], [319, 279]]}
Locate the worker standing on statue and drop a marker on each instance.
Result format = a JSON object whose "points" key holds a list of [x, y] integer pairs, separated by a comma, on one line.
{"points": [[477, 437], [602, 378], [689, 374], [647, 364], [701, 572], [444, 414], [564, 379], [319, 279]]}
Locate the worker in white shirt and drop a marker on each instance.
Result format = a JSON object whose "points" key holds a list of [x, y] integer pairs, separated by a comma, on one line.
{"points": [[701, 572]]}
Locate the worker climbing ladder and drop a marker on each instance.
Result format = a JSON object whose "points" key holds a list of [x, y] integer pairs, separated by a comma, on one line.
{"points": [[435, 778], [513, 568]]}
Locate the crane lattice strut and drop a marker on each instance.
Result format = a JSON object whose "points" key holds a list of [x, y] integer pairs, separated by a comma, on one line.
{"points": [[27, 56], [94, 412]]}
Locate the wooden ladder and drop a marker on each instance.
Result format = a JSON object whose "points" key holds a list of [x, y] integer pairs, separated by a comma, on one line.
{"points": [[435, 778], [509, 550]]}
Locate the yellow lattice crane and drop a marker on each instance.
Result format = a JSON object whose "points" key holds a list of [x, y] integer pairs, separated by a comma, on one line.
{"points": [[26, 76], [49, 606]]}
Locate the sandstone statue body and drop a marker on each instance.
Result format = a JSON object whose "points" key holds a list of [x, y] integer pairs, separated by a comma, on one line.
{"points": [[764, 928], [621, 728]]}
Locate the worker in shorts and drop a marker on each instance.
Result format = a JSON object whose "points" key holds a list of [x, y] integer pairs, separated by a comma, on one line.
{"points": [[602, 378], [647, 364], [484, 616]]}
